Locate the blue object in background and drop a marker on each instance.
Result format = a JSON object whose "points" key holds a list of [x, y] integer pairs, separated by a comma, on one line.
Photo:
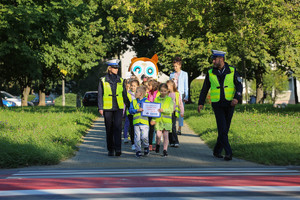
{"points": [[8, 103]]}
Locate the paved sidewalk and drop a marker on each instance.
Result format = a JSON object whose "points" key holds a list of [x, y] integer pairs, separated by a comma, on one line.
{"points": [[191, 153]]}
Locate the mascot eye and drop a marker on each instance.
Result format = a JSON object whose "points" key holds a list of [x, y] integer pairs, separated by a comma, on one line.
{"points": [[150, 71], [137, 69]]}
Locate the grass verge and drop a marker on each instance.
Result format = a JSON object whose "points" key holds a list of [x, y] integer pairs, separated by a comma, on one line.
{"points": [[258, 133], [41, 135]]}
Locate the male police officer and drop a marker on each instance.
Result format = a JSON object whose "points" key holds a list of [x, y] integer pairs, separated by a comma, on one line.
{"points": [[225, 90]]}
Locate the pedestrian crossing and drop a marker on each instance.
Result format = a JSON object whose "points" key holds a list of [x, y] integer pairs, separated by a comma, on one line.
{"points": [[151, 182]]}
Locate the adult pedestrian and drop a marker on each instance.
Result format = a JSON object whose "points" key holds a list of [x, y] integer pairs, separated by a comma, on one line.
{"points": [[112, 95], [225, 90], [180, 78]]}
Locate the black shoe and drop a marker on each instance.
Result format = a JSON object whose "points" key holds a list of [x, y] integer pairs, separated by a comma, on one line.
{"points": [[157, 148], [118, 153], [138, 154], [111, 153], [146, 151], [178, 132], [165, 153], [228, 157], [218, 155]]}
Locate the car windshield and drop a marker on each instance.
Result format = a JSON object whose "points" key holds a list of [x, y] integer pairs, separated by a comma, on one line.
{"points": [[6, 95]]}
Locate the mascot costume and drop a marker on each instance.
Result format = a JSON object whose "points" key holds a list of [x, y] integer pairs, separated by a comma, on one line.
{"points": [[144, 67]]}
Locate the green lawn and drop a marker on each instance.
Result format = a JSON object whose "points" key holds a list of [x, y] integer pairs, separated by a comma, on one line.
{"points": [[258, 133], [41, 135]]}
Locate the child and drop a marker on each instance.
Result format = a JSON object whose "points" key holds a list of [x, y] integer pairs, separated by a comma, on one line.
{"points": [[151, 95], [141, 124], [163, 124], [126, 123], [134, 83], [178, 110]]}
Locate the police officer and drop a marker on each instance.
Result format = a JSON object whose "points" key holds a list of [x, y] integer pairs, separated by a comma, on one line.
{"points": [[225, 90], [112, 95]]}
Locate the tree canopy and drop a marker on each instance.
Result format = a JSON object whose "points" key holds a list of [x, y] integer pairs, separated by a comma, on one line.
{"points": [[45, 40]]}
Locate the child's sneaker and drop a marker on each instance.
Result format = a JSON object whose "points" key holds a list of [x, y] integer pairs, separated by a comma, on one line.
{"points": [[125, 140], [146, 151], [150, 147], [133, 147], [157, 148], [176, 145], [172, 145], [165, 153], [138, 154]]}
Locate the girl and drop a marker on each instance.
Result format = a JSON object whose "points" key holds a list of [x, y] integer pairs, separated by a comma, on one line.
{"points": [[163, 124], [111, 98], [178, 110], [151, 95]]}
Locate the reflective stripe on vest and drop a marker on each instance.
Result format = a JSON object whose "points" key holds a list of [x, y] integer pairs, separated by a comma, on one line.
{"points": [[177, 109], [137, 117], [107, 95], [215, 90], [165, 118]]}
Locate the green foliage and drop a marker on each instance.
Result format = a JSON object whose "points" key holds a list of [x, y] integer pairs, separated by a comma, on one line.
{"points": [[275, 82], [70, 100], [258, 133], [195, 89], [41, 135]]}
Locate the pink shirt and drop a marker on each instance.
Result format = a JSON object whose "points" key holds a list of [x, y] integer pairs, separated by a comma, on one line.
{"points": [[173, 96], [152, 95], [176, 76]]}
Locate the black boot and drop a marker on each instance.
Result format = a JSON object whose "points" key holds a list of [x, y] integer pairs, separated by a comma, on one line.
{"points": [[157, 148]]}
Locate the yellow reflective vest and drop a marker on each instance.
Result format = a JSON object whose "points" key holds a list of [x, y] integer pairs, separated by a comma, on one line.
{"points": [[177, 108], [165, 118], [137, 117], [107, 95], [229, 87]]}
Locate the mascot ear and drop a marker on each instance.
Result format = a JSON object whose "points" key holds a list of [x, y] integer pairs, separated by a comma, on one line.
{"points": [[155, 58], [132, 60]]}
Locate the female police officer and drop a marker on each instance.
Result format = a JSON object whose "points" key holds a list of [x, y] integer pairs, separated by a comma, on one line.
{"points": [[225, 90], [112, 95]]}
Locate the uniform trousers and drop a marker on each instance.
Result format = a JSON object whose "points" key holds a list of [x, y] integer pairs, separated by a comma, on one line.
{"points": [[223, 116], [173, 138], [113, 126]]}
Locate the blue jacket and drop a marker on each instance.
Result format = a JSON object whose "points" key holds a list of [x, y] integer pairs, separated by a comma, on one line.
{"points": [[183, 84], [131, 108]]}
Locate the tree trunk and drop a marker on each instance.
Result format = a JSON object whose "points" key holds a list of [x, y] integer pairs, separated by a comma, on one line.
{"points": [[42, 95], [259, 87], [1, 102], [25, 94]]}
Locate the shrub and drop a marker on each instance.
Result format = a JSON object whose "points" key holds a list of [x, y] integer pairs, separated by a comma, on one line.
{"points": [[70, 100], [195, 90]]}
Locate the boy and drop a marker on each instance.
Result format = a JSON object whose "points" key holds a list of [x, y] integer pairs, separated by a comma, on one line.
{"points": [[140, 123]]}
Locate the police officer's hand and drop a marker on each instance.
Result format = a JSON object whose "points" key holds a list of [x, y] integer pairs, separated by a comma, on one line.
{"points": [[200, 107], [234, 102], [101, 112]]}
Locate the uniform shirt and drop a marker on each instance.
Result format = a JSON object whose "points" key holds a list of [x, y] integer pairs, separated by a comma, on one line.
{"points": [[221, 74], [112, 79]]}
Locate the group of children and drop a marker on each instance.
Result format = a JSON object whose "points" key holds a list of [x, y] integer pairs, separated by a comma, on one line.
{"points": [[141, 129]]}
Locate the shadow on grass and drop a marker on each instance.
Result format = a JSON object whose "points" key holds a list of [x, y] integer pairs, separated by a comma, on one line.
{"points": [[54, 109], [14, 155]]}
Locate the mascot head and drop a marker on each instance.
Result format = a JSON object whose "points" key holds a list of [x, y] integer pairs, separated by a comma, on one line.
{"points": [[144, 66]]}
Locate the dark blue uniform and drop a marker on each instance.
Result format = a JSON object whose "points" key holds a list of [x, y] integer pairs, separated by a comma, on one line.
{"points": [[113, 117], [222, 109]]}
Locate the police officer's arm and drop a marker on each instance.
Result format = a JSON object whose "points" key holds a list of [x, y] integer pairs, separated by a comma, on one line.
{"points": [[238, 89], [204, 91], [100, 97], [125, 97]]}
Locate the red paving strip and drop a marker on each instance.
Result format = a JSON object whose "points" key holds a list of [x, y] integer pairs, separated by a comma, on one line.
{"points": [[164, 181]]}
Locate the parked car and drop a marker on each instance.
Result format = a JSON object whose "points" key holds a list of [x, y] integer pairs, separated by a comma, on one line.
{"points": [[10, 97], [49, 100], [90, 98], [8, 103]]}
